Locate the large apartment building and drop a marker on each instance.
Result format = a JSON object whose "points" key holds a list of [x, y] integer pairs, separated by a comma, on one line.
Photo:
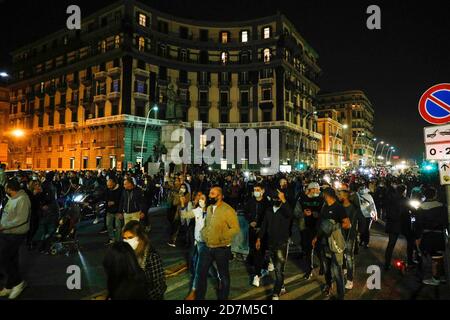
{"points": [[84, 96], [4, 112], [356, 112]]}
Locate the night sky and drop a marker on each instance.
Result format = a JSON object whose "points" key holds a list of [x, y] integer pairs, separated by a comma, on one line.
{"points": [[394, 66]]}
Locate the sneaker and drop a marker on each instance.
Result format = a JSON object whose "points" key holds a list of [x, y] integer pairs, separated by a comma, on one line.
{"points": [[349, 285], [95, 221], [264, 273], [171, 244], [275, 297], [255, 281], [283, 291], [431, 282], [103, 231], [271, 267], [5, 292], [307, 276], [191, 295], [17, 290]]}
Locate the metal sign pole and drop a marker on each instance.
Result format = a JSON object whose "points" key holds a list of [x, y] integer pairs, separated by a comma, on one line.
{"points": [[447, 249]]}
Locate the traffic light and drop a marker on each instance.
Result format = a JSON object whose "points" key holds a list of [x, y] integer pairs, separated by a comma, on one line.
{"points": [[429, 167]]}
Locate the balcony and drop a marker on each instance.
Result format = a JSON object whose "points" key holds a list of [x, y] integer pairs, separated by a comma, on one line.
{"points": [[60, 126], [72, 147], [60, 148], [85, 146], [290, 104], [225, 105], [245, 105], [72, 125], [114, 72], [48, 149], [99, 98], [141, 72], [38, 149], [87, 81], [62, 87], [204, 104], [140, 96], [164, 81], [204, 83], [101, 75], [113, 96], [263, 81]]}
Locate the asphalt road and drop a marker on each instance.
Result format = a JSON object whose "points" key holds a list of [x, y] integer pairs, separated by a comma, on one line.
{"points": [[47, 275]]}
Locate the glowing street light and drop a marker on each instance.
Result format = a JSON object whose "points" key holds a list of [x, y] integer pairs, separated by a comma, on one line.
{"points": [[4, 75], [18, 133]]}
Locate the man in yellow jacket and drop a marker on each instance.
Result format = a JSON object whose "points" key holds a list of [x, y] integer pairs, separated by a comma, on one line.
{"points": [[221, 225]]}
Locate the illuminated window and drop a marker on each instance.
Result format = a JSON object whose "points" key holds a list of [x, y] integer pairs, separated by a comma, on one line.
{"points": [[224, 57], [224, 37], [117, 41], [266, 33], [141, 43], [266, 55], [244, 36], [142, 19], [103, 46]]}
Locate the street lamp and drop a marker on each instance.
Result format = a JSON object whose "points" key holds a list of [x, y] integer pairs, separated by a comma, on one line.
{"points": [[390, 155], [4, 74], [382, 149], [18, 133], [155, 108]]}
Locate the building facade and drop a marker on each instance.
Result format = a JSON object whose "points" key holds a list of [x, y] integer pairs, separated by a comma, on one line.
{"points": [[356, 113], [4, 112], [84, 96], [330, 152]]}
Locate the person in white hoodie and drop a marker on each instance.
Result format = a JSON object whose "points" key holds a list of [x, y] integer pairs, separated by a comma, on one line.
{"points": [[369, 212], [14, 226]]}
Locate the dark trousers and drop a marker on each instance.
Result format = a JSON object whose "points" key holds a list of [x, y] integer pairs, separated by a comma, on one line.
{"points": [[175, 224], [365, 235], [307, 237], [9, 259], [278, 255], [222, 258], [410, 245], [333, 270], [256, 258]]}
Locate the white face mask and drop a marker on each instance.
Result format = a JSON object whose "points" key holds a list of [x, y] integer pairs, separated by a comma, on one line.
{"points": [[182, 190], [257, 194], [201, 203], [133, 242]]}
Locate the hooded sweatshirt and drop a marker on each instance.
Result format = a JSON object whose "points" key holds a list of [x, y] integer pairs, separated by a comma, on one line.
{"points": [[16, 216]]}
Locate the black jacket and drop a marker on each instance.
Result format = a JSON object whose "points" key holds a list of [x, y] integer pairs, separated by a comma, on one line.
{"points": [[398, 217], [114, 196], [276, 225], [432, 216], [255, 210], [132, 201]]}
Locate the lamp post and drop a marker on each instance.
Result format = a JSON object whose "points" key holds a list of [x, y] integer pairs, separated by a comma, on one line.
{"points": [[382, 150], [388, 158], [155, 108], [376, 149]]}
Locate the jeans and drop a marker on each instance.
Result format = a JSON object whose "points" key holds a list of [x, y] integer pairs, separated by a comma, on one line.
{"points": [[350, 258], [9, 259], [410, 245], [113, 220], [278, 255], [222, 258], [333, 271]]}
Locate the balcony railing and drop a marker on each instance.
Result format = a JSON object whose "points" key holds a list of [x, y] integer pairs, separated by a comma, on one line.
{"points": [[266, 81], [113, 95], [141, 72], [101, 75], [114, 71], [100, 98], [140, 96]]}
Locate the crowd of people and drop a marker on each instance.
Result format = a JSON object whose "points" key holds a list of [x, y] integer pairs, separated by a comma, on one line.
{"points": [[332, 211]]}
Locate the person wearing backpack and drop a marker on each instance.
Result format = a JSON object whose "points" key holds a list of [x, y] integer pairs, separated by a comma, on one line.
{"points": [[369, 212], [332, 219]]}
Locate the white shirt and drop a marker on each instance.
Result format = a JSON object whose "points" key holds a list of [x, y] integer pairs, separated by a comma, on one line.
{"points": [[199, 223]]}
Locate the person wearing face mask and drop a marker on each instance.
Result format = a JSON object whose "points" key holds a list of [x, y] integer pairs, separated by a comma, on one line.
{"points": [[199, 214], [307, 211], [275, 228], [14, 225], [221, 225], [181, 202], [148, 258], [254, 213]]}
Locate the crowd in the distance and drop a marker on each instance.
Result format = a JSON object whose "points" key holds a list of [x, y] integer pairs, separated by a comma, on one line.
{"points": [[331, 211]]}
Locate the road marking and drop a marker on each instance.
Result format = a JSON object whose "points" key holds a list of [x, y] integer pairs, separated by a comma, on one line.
{"points": [[178, 284]]}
